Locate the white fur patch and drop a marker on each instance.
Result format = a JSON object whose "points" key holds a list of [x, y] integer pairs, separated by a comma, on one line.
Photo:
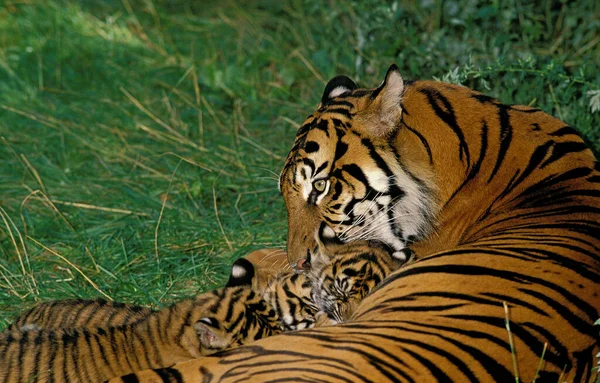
{"points": [[30, 327], [338, 91], [328, 232], [238, 271]]}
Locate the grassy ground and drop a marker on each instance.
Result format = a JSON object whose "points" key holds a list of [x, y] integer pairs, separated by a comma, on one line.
{"points": [[140, 139]]}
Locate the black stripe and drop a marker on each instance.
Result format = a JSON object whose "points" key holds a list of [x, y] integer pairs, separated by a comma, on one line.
{"points": [[473, 270], [354, 171], [311, 147], [475, 169], [320, 168], [378, 363], [446, 113], [554, 354], [65, 350], [535, 160], [564, 131], [489, 363], [505, 138], [37, 342], [344, 112], [561, 149], [422, 139], [130, 378], [322, 125], [169, 375]]}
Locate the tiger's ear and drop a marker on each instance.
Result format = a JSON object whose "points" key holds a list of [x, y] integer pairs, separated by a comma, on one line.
{"points": [[385, 110], [336, 87], [211, 337], [241, 274]]}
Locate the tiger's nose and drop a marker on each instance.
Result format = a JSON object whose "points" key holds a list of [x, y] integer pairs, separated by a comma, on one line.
{"points": [[303, 265]]}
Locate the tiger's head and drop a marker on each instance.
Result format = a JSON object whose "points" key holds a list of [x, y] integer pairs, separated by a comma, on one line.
{"points": [[343, 179]]}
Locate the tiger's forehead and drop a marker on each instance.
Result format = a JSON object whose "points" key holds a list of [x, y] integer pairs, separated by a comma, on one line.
{"points": [[321, 127], [321, 131]]}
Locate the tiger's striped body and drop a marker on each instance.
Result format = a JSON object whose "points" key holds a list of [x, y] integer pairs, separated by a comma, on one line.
{"points": [[506, 201]]}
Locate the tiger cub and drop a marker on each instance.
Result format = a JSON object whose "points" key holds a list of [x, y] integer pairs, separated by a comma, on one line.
{"points": [[78, 313], [203, 325], [264, 265], [343, 274], [211, 322]]}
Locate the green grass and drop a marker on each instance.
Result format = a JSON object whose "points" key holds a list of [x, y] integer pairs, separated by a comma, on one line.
{"points": [[140, 140]]}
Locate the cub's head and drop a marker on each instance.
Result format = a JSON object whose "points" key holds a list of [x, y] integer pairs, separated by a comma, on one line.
{"points": [[343, 275], [268, 273], [344, 180]]}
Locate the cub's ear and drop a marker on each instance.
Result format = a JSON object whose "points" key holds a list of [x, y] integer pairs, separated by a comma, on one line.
{"points": [[241, 274], [336, 87], [211, 336], [385, 110]]}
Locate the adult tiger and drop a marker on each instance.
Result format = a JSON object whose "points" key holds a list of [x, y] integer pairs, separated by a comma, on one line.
{"points": [[503, 206]]}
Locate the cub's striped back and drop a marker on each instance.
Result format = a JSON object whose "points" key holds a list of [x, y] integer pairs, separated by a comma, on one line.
{"points": [[78, 313], [258, 268]]}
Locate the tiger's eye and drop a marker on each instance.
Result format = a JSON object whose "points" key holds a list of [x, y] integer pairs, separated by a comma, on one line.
{"points": [[320, 185]]}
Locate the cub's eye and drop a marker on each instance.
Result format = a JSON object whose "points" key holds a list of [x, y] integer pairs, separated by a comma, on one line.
{"points": [[320, 185]]}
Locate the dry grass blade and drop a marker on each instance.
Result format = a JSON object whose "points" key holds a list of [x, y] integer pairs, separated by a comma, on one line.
{"points": [[262, 149], [541, 362], [5, 219], [30, 116], [35, 173], [308, 65], [44, 198], [218, 219], [510, 341], [160, 122], [4, 272], [199, 107], [562, 375], [94, 285], [162, 210], [100, 208]]}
